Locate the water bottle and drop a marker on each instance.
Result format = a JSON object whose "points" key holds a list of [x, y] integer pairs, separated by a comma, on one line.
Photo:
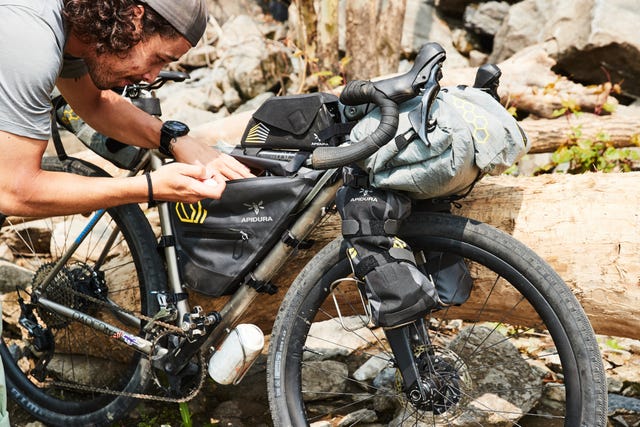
{"points": [[234, 357]]}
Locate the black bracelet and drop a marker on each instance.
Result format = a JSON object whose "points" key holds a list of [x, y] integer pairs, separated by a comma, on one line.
{"points": [[152, 203]]}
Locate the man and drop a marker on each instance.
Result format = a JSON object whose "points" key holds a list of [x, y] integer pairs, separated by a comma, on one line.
{"points": [[85, 48]]}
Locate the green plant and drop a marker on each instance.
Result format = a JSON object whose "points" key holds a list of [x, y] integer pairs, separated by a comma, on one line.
{"points": [[185, 413], [582, 153]]}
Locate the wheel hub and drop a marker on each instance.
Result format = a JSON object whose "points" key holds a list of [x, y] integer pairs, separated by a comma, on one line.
{"points": [[440, 385]]}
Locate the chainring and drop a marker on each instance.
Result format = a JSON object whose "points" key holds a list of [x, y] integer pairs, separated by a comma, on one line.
{"points": [[186, 384]]}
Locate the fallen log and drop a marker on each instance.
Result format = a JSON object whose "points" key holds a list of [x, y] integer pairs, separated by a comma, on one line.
{"points": [[586, 227], [622, 129]]}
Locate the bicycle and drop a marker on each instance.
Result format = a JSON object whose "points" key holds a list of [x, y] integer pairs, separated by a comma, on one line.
{"points": [[103, 284]]}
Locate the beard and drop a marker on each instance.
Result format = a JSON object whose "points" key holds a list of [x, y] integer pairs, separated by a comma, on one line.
{"points": [[99, 74], [102, 74]]}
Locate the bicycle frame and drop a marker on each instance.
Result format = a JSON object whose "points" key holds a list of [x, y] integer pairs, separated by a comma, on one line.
{"points": [[315, 207]]}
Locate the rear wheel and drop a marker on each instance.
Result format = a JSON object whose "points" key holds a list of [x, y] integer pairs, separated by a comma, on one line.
{"points": [[520, 351], [58, 369]]}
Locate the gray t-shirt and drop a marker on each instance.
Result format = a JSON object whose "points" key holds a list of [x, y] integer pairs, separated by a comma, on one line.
{"points": [[32, 38]]}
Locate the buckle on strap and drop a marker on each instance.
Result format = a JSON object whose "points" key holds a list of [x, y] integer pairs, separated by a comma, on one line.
{"points": [[355, 178]]}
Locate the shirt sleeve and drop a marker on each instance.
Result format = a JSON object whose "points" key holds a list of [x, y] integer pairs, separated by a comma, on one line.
{"points": [[31, 61]]}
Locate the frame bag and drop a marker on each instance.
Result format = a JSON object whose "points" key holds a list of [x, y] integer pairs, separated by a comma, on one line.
{"points": [[219, 241]]}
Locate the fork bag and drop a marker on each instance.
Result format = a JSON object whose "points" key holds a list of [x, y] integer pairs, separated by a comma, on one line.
{"points": [[219, 241], [397, 291]]}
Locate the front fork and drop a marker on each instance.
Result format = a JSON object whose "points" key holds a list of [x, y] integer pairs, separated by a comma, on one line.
{"points": [[404, 341]]}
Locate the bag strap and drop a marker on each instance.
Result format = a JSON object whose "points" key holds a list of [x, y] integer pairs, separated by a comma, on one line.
{"points": [[336, 129], [55, 133]]}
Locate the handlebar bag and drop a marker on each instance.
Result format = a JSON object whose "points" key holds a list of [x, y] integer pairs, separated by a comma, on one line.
{"points": [[301, 122], [219, 241], [467, 134]]}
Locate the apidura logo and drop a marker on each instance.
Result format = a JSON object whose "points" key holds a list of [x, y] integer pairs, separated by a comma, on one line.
{"points": [[191, 213], [256, 208], [365, 196]]}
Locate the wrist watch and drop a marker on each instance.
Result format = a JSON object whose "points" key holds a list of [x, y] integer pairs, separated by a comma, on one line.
{"points": [[171, 129]]}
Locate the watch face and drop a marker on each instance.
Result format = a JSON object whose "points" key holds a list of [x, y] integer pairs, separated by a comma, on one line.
{"points": [[175, 127]]}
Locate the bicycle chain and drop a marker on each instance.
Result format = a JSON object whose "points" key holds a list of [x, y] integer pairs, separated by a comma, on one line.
{"points": [[168, 327], [144, 396]]}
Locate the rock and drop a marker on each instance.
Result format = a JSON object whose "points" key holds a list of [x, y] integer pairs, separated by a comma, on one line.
{"points": [[199, 56], [224, 10], [323, 378], [371, 368], [477, 58], [454, 8], [462, 41], [496, 364], [323, 335], [358, 417], [5, 252], [37, 240], [623, 411], [253, 65], [485, 19], [595, 41], [504, 412], [422, 25], [12, 276], [254, 103]]}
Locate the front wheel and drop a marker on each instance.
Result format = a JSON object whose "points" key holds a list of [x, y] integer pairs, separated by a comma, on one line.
{"points": [[520, 351]]}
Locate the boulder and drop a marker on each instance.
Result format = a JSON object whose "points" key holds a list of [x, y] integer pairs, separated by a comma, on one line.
{"points": [[253, 64], [595, 40]]}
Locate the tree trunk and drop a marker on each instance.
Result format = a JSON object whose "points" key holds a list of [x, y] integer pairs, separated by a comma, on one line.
{"points": [[584, 226], [389, 36], [360, 39], [328, 37]]}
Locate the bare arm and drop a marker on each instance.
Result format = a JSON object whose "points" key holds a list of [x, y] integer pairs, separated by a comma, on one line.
{"points": [[26, 189], [110, 114], [114, 116]]}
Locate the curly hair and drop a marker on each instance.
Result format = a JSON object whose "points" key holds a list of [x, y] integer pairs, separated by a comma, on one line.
{"points": [[109, 24]]}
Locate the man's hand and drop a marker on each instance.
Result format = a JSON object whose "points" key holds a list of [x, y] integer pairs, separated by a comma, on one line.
{"points": [[193, 151], [181, 182]]}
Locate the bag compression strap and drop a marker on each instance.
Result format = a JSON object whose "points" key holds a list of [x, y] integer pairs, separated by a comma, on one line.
{"points": [[55, 133]]}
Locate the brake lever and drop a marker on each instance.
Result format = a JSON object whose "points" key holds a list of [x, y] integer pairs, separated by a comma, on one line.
{"points": [[406, 86]]}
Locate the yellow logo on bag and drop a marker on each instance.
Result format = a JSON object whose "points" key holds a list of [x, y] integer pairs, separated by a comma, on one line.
{"points": [[257, 134], [399, 244], [474, 117], [191, 213], [352, 253]]}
